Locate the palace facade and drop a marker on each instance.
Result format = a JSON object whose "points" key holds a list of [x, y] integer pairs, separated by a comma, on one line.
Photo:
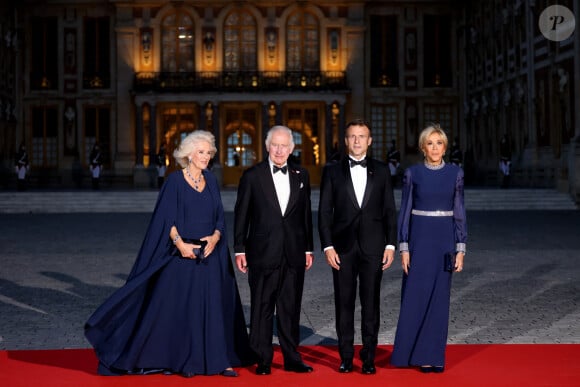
{"points": [[131, 75]]}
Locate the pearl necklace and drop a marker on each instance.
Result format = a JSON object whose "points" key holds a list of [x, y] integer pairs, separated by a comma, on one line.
{"points": [[435, 167], [197, 181]]}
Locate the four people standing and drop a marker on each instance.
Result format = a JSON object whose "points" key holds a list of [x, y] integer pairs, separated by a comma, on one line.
{"points": [[357, 226], [184, 258], [431, 225], [273, 243]]}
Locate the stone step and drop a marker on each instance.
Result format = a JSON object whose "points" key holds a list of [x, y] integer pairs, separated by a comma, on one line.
{"points": [[144, 201]]}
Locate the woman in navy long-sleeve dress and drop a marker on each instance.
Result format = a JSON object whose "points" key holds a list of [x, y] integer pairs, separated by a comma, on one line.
{"points": [[431, 223], [180, 310]]}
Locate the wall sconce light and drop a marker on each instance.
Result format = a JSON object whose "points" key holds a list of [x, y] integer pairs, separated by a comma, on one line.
{"points": [[334, 46], [146, 47], [271, 38], [209, 112], [335, 111]]}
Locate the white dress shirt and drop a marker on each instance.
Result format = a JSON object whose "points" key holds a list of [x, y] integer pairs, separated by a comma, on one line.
{"points": [[358, 176], [282, 184]]}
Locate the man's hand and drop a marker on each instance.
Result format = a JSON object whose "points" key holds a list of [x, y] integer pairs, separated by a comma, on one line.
{"points": [[241, 263], [332, 258], [309, 261], [388, 256]]}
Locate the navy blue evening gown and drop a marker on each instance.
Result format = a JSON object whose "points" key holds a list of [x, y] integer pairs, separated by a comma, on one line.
{"points": [[422, 328], [173, 314]]}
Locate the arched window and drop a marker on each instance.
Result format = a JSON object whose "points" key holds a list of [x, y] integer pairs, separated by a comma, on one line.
{"points": [[240, 42], [302, 42], [177, 43]]}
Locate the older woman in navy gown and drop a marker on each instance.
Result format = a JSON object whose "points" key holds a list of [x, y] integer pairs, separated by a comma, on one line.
{"points": [[180, 310], [431, 223]]}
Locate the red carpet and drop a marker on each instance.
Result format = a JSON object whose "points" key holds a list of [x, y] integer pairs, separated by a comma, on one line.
{"points": [[467, 365]]}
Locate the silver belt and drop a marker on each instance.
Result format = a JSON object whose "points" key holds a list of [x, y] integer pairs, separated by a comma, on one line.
{"points": [[432, 213]]}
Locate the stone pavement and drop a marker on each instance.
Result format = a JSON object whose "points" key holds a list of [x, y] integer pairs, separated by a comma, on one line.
{"points": [[104, 201], [521, 283]]}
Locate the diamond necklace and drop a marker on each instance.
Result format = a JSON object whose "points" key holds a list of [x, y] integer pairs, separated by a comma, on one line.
{"points": [[195, 181]]}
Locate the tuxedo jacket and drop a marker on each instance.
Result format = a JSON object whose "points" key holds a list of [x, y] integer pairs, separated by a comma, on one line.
{"points": [[342, 222], [261, 231]]}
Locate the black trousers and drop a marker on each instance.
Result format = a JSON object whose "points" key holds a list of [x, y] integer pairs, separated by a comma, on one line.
{"points": [[355, 267], [276, 290]]}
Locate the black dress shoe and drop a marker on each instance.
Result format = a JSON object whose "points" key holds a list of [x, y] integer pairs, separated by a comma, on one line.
{"points": [[426, 369], [298, 367], [263, 369], [438, 369], [345, 366], [368, 367]]}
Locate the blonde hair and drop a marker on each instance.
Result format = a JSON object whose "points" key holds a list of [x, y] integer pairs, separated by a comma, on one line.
{"points": [[428, 131], [190, 143]]}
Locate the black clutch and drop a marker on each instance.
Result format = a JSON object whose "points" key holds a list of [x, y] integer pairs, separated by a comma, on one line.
{"points": [[198, 251], [450, 262]]}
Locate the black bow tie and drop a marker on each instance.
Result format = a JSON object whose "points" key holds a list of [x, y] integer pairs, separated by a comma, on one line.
{"points": [[284, 169], [362, 163]]}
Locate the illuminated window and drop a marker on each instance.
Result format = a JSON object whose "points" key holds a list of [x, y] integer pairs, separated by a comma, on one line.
{"points": [[177, 44], [305, 123], [302, 43], [240, 41]]}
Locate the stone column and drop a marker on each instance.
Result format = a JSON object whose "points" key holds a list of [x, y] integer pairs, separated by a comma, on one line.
{"points": [[139, 135], [328, 133], [140, 174], [217, 167], [152, 146]]}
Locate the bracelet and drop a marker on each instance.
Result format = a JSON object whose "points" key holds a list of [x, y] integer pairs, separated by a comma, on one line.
{"points": [[177, 237]]}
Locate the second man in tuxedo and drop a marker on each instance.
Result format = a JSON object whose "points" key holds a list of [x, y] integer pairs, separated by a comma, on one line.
{"points": [[357, 225], [273, 243]]}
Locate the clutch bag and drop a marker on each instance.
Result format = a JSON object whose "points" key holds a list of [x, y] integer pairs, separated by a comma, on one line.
{"points": [[450, 262], [198, 251]]}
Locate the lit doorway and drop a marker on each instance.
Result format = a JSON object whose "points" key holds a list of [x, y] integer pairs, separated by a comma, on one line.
{"points": [[306, 121], [241, 140], [177, 121]]}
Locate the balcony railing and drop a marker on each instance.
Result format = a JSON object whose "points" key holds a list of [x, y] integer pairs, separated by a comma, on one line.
{"points": [[241, 81]]}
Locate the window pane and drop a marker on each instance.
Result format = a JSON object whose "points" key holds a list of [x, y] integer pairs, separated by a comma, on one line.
{"points": [[384, 69], [384, 126], [240, 42], [437, 51], [177, 40], [302, 43]]}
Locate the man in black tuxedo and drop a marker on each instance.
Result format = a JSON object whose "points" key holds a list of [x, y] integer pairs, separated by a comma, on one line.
{"points": [[273, 243], [357, 226]]}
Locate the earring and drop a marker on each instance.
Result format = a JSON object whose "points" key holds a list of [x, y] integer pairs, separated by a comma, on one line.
{"points": [[189, 161]]}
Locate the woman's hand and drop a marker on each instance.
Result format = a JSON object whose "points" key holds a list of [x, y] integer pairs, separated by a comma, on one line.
{"points": [[212, 241], [459, 261], [186, 249], [406, 261]]}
